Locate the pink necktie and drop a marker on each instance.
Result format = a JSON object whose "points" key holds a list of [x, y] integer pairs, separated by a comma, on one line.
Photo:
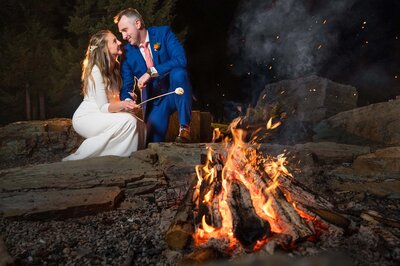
{"points": [[147, 55]]}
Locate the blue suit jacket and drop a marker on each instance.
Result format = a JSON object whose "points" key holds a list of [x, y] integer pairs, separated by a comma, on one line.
{"points": [[170, 55]]}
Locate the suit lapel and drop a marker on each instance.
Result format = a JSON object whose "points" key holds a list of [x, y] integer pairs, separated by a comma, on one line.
{"points": [[153, 39]]}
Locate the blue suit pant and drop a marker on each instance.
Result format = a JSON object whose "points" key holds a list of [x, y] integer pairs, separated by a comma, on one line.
{"points": [[158, 114]]}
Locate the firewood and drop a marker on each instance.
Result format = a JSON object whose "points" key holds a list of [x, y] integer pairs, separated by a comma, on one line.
{"points": [[374, 216], [293, 212], [211, 189], [209, 209], [287, 213], [248, 226], [331, 217], [287, 218], [204, 209], [301, 194], [181, 228], [216, 216]]}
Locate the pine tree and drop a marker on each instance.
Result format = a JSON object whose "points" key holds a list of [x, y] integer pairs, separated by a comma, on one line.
{"points": [[27, 67], [28, 35]]}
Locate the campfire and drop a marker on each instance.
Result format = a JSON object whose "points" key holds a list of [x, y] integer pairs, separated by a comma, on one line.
{"points": [[243, 200]]}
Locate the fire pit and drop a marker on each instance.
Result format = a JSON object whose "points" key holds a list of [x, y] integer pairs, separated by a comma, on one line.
{"points": [[244, 201]]}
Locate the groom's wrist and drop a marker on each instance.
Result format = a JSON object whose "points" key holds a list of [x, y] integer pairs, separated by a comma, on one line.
{"points": [[152, 71]]}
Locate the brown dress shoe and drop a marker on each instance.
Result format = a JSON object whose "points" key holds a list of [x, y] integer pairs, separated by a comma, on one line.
{"points": [[184, 135]]}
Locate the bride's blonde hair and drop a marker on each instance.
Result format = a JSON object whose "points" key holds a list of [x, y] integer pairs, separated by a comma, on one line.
{"points": [[97, 54]]}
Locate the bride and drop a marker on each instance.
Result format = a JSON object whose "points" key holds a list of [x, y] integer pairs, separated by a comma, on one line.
{"points": [[108, 124]]}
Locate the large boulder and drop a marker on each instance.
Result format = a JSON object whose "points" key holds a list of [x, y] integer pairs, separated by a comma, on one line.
{"points": [[306, 101], [375, 124], [383, 162], [37, 141], [311, 98]]}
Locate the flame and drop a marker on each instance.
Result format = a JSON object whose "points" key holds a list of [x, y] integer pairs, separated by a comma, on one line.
{"points": [[246, 165], [272, 126], [207, 228], [216, 134], [267, 209], [207, 197]]}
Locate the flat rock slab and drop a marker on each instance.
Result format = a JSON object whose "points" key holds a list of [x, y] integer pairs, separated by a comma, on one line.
{"points": [[178, 154], [75, 188], [102, 171], [58, 203], [375, 123], [381, 188], [331, 152], [383, 162]]}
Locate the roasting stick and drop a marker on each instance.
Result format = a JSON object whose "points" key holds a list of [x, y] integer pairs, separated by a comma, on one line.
{"points": [[178, 91]]}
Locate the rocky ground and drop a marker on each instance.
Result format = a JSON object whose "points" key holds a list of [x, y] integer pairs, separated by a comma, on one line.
{"points": [[134, 237], [115, 211], [132, 233]]}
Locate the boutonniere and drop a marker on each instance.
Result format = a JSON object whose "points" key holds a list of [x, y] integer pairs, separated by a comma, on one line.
{"points": [[157, 46]]}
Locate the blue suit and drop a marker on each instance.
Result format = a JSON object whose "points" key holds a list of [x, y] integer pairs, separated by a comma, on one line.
{"points": [[170, 62]]}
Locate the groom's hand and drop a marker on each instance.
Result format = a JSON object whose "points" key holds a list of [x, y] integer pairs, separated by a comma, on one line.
{"points": [[133, 95], [142, 81]]}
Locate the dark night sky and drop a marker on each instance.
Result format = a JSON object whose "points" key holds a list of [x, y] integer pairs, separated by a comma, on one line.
{"points": [[237, 47]]}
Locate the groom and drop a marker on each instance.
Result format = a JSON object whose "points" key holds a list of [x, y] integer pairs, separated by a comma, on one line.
{"points": [[157, 59]]}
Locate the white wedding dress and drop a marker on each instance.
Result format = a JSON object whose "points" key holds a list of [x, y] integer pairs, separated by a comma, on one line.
{"points": [[106, 133]]}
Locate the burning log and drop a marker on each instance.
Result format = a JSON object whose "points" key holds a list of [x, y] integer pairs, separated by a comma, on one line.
{"points": [[285, 216], [301, 194], [248, 226], [207, 192], [210, 186], [181, 228]]}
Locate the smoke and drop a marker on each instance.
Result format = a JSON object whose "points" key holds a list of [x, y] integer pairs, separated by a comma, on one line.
{"points": [[285, 38], [374, 79]]}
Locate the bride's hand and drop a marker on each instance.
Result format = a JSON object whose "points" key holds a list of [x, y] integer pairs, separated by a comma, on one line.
{"points": [[136, 107], [131, 106], [128, 105]]}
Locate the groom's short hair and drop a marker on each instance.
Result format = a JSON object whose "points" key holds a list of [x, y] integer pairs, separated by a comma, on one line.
{"points": [[129, 13]]}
